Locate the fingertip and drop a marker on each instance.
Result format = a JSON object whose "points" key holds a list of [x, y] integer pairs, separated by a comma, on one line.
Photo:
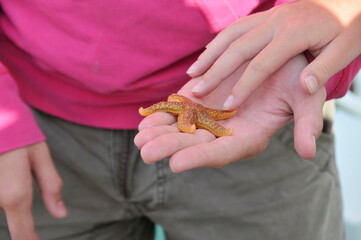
{"points": [[228, 103], [306, 147], [238, 96], [137, 141], [57, 209], [315, 75], [198, 89], [150, 154], [311, 83], [179, 164], [231, 103], [61, 210], [146, 155], [176, 166], [193, 69], [148, 134]]}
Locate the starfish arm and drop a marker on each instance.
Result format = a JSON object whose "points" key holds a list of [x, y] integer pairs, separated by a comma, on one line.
{"points": [[187, 119], [217, 114], [178, 98], [169, 107], [206, 122]]}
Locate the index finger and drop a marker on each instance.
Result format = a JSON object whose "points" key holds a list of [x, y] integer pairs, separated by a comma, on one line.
{"points": [[222, 41]]}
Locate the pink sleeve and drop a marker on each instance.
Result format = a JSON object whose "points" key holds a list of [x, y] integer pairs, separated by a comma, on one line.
{"points": [[339, 83], [221, 13], [278, 2], [18, 126]]}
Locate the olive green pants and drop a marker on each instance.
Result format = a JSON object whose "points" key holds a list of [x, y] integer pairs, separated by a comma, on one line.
{"points": [[111, 194]]}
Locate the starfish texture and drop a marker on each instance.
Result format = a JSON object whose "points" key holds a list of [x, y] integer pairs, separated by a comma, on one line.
{"points": [[192, 115]]}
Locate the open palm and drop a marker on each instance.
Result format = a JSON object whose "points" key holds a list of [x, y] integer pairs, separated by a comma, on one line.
{"points": [[275, 103]]}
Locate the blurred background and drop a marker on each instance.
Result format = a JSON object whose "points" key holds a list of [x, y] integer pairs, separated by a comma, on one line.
{"points": [[347, 129]]}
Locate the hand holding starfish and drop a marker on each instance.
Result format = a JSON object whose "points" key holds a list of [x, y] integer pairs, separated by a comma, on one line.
{"points": [[274, 104]]}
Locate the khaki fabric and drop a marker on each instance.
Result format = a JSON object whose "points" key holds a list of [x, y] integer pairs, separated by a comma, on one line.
{"points": [[112, 195]]}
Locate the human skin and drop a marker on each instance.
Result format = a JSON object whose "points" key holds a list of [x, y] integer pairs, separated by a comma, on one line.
{"points": [[16, 188], [329, 29], [275, 103]]}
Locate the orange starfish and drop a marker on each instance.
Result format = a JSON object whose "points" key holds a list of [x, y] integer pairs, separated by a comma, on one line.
{"points": [[192, 115]]}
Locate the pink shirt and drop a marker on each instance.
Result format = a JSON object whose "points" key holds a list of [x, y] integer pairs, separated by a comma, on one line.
{"points": [[97, 63]]}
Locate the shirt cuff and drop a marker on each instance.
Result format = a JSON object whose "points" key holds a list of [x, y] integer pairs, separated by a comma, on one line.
{"points": [[18, 127]]}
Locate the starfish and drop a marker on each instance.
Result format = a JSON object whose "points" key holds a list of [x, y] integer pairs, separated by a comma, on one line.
{"points": [[192, 115]]}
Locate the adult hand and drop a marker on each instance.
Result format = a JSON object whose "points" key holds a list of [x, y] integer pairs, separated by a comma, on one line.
{"points": [[329, 30], [275, 103], [16, 188]]}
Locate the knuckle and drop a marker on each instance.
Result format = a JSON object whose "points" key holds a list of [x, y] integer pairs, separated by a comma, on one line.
{"points": [[15, 197], [322, 71], [229, 31], [237, 46], [259, 66], [279, 12], [54, 188], [286, 10], [291, 21]]}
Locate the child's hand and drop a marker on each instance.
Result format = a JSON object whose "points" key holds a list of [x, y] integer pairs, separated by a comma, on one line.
{"points": [[330, 30], [16, 188], [274, 104]]}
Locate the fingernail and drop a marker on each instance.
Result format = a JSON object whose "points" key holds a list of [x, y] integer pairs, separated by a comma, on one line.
{"points": [[314, 141], [312, 83], [61, 209], [198, 87], [192, 68], [228, 103]]}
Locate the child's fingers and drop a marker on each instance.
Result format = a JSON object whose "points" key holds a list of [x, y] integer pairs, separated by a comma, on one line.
{"points": [[239, 51], [336, 56], [222, 41], [268, 61]]}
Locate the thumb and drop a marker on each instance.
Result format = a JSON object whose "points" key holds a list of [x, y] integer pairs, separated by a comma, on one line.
{"points": [[332, 59], [48, 179], [308, 124]]}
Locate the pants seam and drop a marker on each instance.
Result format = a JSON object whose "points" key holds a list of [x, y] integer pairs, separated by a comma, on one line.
{"points": [[124, 165], [161, 179]]}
